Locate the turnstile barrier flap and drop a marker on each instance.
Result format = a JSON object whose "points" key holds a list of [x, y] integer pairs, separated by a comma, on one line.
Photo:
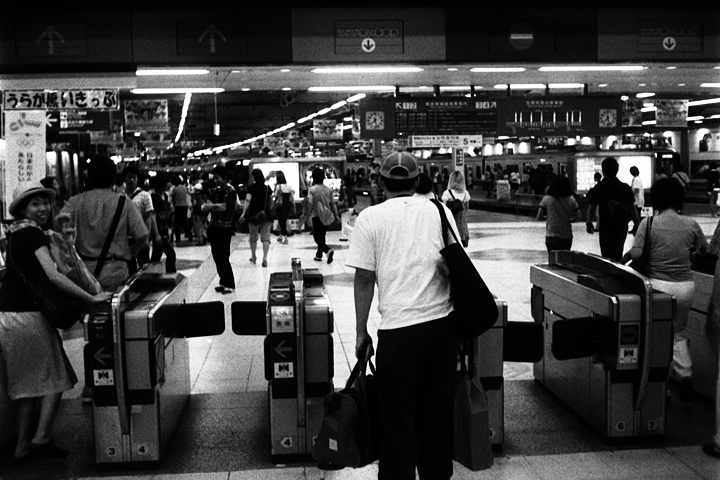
{"points": [[580, 337], [249, 318], [523, 342], [191, 320]]}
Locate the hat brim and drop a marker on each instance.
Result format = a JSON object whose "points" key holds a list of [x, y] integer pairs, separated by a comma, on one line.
{"points": [[13, 209]]}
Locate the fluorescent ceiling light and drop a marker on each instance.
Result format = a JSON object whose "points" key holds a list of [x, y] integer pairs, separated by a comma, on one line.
{"points": [[173, 72], [707, 101], [366, 88], [367, 70], [356, 97], [143, 91], [670, 68], [566, 85], [695, 117], [338, 104], [497, 69], [591, 68], [711, 85], [645, 95], [455, 88], [520, 86], [649, 122], [648, 109]]}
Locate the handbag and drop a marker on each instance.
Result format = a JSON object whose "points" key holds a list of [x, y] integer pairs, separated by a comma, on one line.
{"points": [[474, 304], [471, 421], [641, 264], [261, 217], [349, 435], [455, 205]]}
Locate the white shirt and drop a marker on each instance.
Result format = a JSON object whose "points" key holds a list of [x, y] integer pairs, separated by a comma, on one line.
{"points": [[640, 195], [400, 240], [143, 202]]}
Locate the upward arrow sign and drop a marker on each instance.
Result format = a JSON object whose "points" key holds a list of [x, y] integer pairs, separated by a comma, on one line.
{"points": [[50, 33], [211, 31]]}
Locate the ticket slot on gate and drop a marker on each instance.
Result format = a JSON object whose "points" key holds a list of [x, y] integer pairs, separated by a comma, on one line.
{"points": [[137, 363], [608, 342]]}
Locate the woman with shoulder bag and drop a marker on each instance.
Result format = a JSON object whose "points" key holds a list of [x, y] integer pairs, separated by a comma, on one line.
{"points": [[283, 205], [456, 194], [34, 369], [674, 238], [256, 213], [323, 211], [559, 208]]}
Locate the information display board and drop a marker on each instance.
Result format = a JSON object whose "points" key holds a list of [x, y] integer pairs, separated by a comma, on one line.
{"points": [[445, 115]]}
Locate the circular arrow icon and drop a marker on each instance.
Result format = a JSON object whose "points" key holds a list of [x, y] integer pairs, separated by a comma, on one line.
{"points": [[368, 45], [669, 43]]}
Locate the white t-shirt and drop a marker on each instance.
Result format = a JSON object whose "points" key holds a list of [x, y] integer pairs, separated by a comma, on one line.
{"points": [[143, 202], [400, 240], [639, 196]]}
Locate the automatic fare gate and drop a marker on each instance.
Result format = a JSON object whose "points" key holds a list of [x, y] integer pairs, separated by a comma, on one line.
{"points": [[608, 342], [137, 363], [298, 321]]}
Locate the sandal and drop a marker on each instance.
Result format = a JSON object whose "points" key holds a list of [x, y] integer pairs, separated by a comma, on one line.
{"points": [[253, 260]]}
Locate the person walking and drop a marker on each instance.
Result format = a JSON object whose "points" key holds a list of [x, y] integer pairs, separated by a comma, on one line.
{"points": [[559, 208], [199, 218], [143, 202], [162, 207], [320, 197], [257, 200], [615, 202], [221, 206], [674, 238], [284, 198], [455, 193], [396, 245], [179, 198], [638, 190], [35, 368]]}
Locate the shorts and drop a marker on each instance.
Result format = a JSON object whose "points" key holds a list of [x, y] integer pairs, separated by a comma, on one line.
{"points": [[263, 229]]}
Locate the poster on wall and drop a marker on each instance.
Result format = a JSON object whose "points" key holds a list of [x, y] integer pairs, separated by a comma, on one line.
{"points": [[24, 150], [148, 115], [632, 113], [671, 113], [327, 132]]}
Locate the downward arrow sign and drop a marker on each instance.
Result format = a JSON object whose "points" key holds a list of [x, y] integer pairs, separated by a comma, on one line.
{"points": [[669, 43], [368, 45]]}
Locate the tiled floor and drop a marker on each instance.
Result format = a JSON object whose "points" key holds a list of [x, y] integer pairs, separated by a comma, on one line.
{"points": [[503, 249]]}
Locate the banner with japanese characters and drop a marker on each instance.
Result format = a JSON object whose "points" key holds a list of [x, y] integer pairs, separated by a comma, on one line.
{"points": [[78, 99], [24, 150]]}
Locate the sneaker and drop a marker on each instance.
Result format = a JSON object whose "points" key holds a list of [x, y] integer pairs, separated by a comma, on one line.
{"points": [[219, 288], [318, 259], [280, 240], [227, 290], [331, 253], [264, 263], [253, 260], [285, 241]]}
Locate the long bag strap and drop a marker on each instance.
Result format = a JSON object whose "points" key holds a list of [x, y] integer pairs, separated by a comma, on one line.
{"points": [[445, 223], [646, 244], [110, 236]]}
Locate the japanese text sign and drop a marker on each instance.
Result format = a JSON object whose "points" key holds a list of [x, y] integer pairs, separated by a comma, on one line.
{"points": [[81, 99]]}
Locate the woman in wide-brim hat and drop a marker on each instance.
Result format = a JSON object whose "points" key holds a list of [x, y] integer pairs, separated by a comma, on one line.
{"points": [[34, 369]]}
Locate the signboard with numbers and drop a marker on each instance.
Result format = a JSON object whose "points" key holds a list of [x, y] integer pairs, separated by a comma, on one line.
{"points": [[445, 115], [78, 99]]}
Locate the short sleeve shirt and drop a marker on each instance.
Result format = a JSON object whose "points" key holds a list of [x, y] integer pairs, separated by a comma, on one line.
{"points": [[259, 195], [559, 211], [463, 197], [228, 196], [22, 245], [610, 188], [93, 213], [672, 238], [640, 194], [400, 240], [143, 202]]}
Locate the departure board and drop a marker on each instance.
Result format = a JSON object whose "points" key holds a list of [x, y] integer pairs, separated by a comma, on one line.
{"points": [[445, 115]]}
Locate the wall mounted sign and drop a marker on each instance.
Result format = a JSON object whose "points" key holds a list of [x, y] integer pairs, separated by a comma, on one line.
{"points": [[78, 99], [671, 113], [146, 115], [445, 115]]}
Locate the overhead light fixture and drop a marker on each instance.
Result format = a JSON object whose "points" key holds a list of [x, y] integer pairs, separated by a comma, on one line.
{"points": [[695, 117], [710, 85], [186, 105], [367, 70], [366, 88], [566, 85], [680, 84], [645, 95], [591, 68], [649, 122], [670, 68], [150, 72], [152, 91], [624, 98], [453, 69], [455, 88], [602, 85], [707, 101], [286, 89], [648, 109], [284, 70], [497, 69], [520, 86], [324, 111], [355, 98], [338, 104], [245, 89]]}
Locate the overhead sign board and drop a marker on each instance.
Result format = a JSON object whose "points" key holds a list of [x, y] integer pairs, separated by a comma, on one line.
{"points": [[328, 35], [445, 115], [445, 141], [77, 99]]}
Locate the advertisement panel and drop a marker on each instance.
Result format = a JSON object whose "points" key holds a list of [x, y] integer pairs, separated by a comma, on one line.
{"points": [[148, 115], [671, 113]]}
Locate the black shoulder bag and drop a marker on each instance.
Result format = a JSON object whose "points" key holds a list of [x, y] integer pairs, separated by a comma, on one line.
{"points": [[475, 308]]}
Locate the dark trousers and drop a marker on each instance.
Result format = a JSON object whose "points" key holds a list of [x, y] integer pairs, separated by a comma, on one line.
{"points": [[319, 231], [180, 222], [137, 262], [557, 243], [283, 225], [612, 243], [416, 378], [220, 249], [165, 247]]}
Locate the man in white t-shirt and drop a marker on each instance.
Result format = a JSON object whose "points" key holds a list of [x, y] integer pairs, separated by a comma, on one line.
{"points": [[143, 202], [397, 244], [638, 189]]}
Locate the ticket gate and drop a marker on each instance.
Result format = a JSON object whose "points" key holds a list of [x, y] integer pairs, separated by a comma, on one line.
{"points": [[299, 367], [608, 342], [703, 337], [137, 363]]}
